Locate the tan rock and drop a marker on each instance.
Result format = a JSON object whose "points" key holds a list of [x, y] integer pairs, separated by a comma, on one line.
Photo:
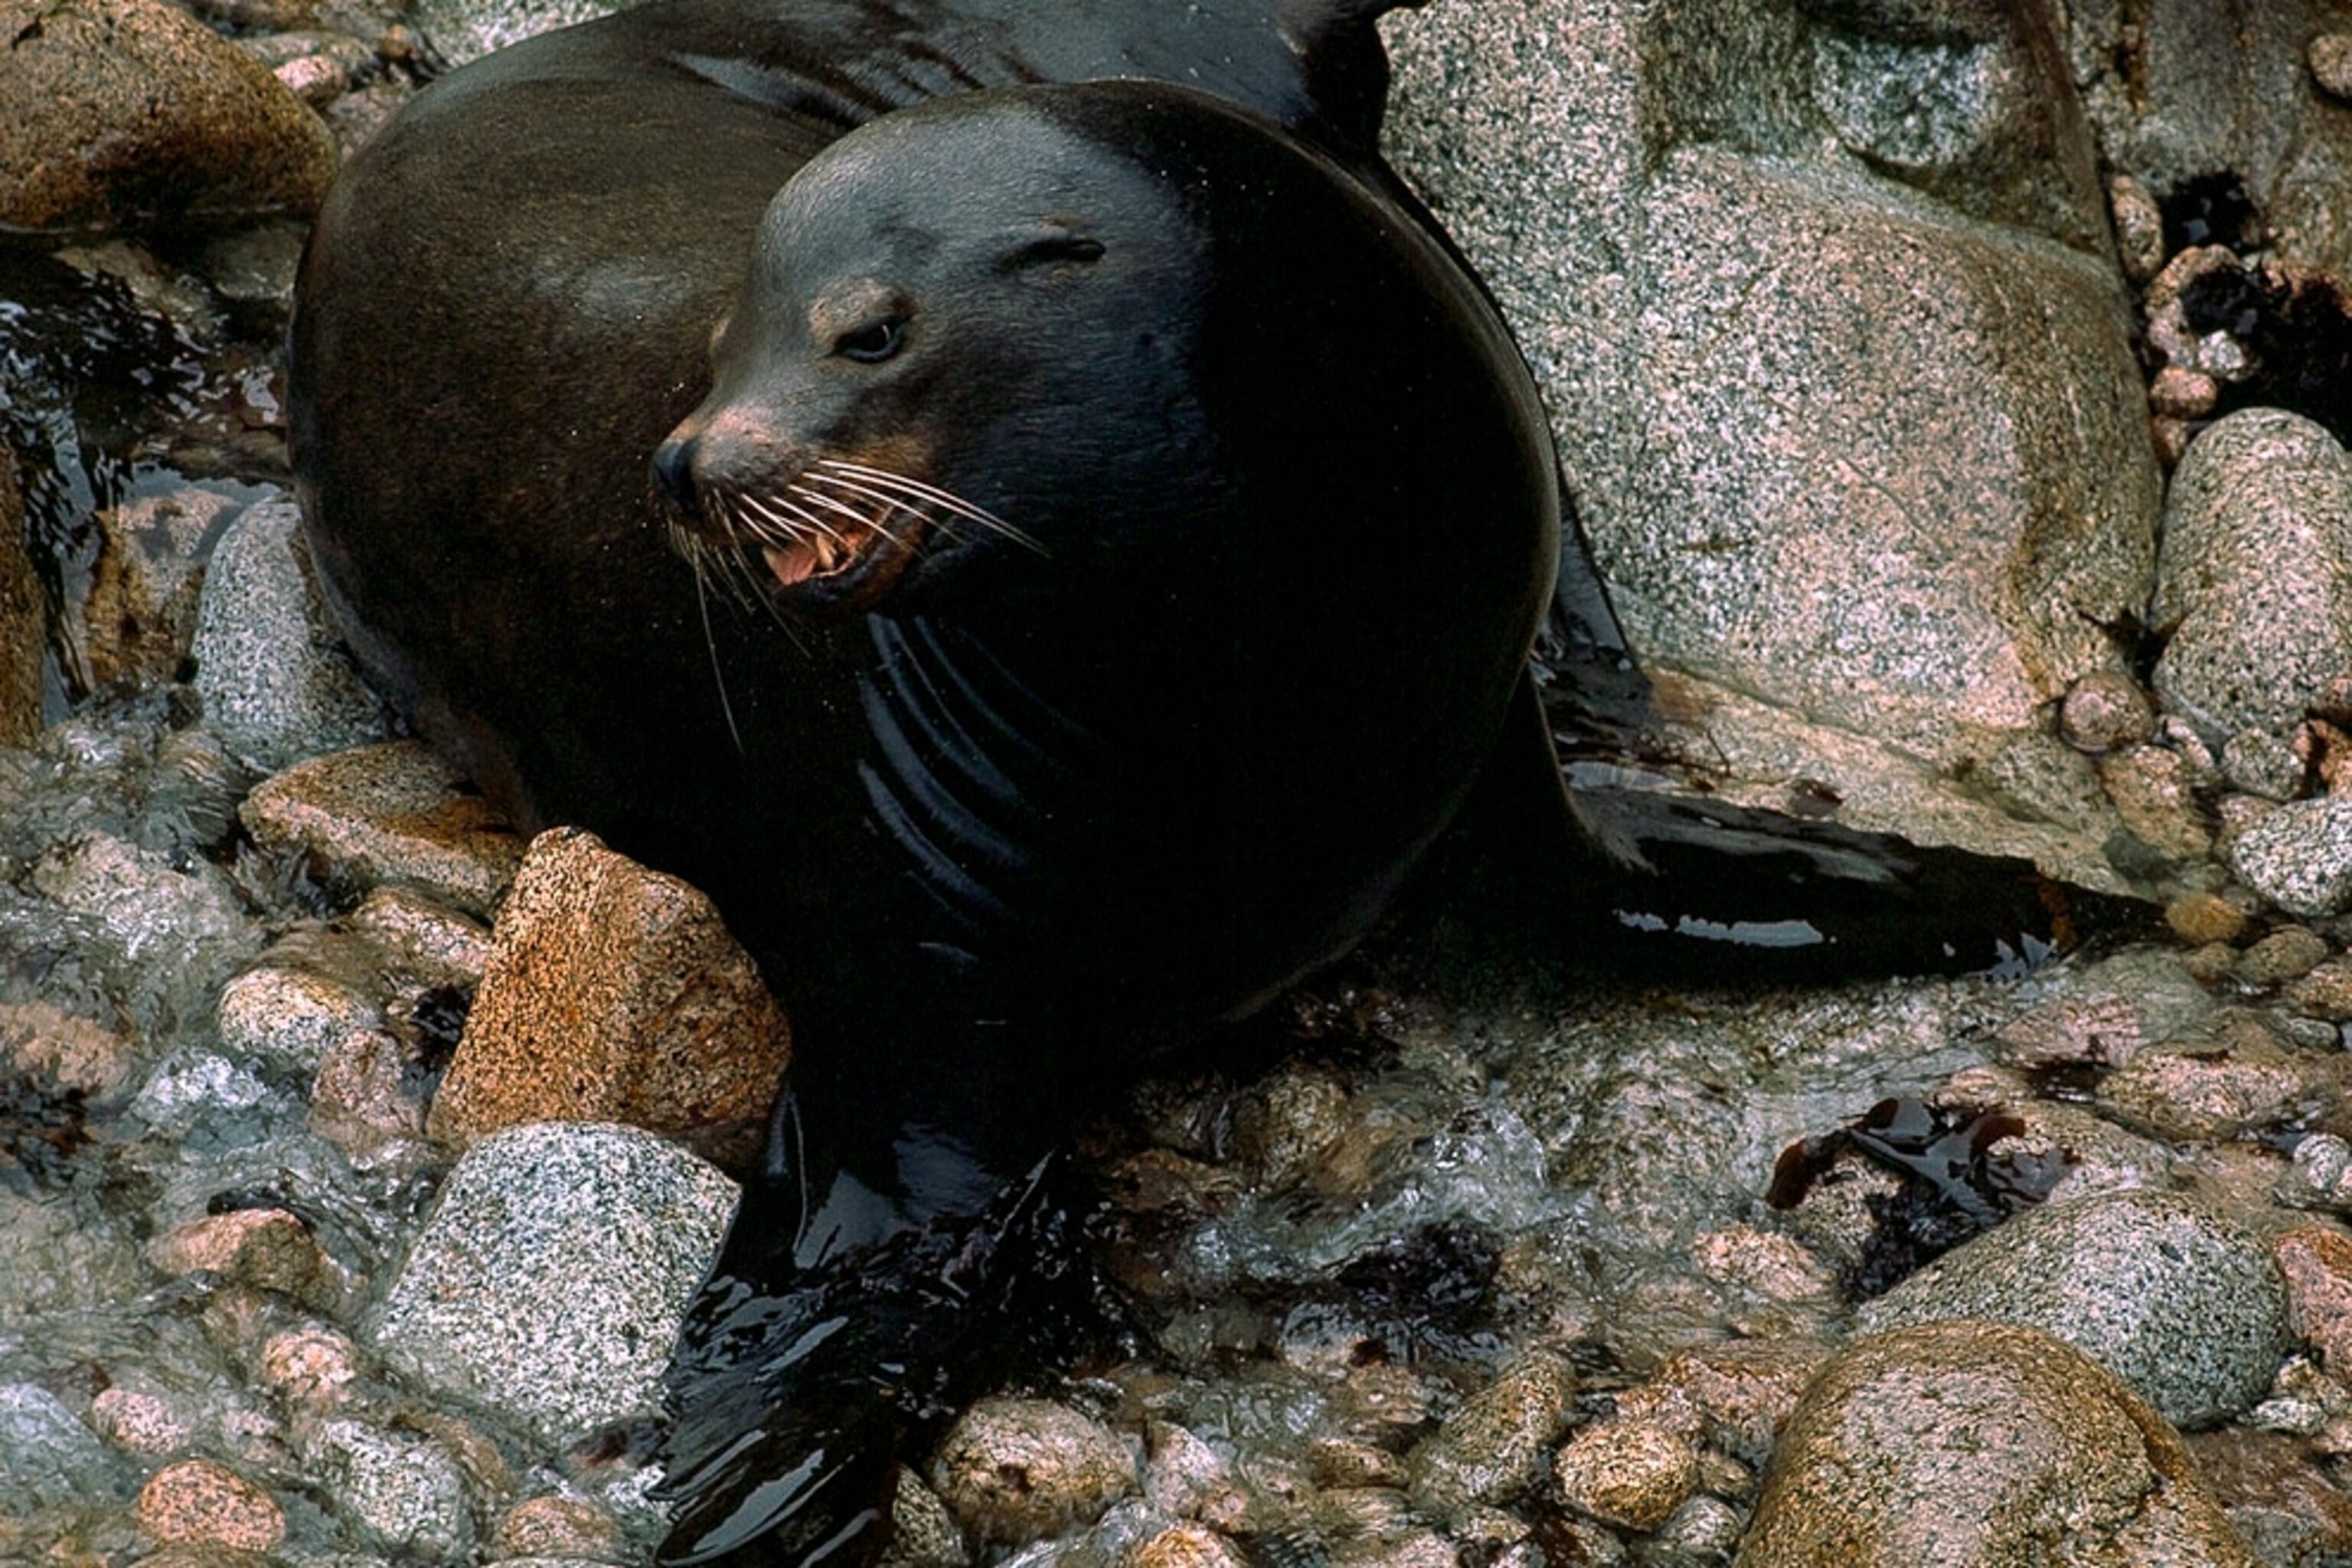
{"points": [[1186, 1546], [269, 1249], [2202, 918], [612, 993], [1017, 1470], [367, 1098], [126, 110], [141, 609], [1734, 1396], [388, 813], [36, 1038], [1496, 1443], [311, 1367], [1972, 1445], [1627, 1472], [559, 1527], [198, 1501]]}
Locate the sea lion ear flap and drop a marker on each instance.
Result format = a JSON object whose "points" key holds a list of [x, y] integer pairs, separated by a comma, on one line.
{"points": [[1056, 243]]}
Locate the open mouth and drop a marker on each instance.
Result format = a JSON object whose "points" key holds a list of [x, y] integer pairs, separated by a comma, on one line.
{"points": [[840, 559]]}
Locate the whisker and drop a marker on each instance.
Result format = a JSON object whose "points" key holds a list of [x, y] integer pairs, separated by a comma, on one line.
{"points": [[816, 497], [718, 675], [797, 515], [838, 471]]}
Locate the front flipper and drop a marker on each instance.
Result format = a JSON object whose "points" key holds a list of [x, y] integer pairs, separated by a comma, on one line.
{"points": [[817, 1351]]}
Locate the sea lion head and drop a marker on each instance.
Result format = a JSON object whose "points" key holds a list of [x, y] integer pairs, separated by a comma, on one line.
{"points": [[960, 323]]}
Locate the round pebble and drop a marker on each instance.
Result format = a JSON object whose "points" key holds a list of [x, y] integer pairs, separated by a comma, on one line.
{"points": [[2105, 711], [2287, 954], [1496, 1444], [1627, 1472], [198, 1500], [1017, 1470], [2331, 64]]}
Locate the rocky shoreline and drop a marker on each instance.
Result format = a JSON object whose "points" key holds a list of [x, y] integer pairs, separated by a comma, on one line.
{"points": [[1506, 1260]]}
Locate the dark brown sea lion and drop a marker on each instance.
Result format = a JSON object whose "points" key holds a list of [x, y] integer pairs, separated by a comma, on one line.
{"points": [[1154, 516]]}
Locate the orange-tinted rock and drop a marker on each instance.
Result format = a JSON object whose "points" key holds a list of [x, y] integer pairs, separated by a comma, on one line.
{"points": [[388, 813], [612, 994], [197, 1500], [22, 630]]}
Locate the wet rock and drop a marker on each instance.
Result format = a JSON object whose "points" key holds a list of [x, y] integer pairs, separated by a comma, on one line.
{"points": [[269, 1249], [198, 1501], [559, 1527], [2255, 579], [1185, 1477], [2182, 1304], [140, 910], [1017, 1470], [2180, 393], [1495, 1444], [284, 1019], [2099, 1029], [402, 1493], [2284, 1508], [368, 1098], [388, 814], [612, 994], [2096, 1156], [131, 110], [317, 68], [1627, 1472], [2299, 856], [311, 1367], [2105, 711], [2316, 1263], [1716, 292], [1187, 1546], [551, 1278], [275, 684], [432, 941], [46, 1456], [2285, 954], [37, 1038], [1732, 1396], [2243, 1076], [2139, 226], [1975, 1444], [2202, 918], [140, 614], [1771, 1266], [23, 619]]}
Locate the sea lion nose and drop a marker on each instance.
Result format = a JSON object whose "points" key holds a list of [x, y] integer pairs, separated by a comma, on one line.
{"points": [[674, 469]]}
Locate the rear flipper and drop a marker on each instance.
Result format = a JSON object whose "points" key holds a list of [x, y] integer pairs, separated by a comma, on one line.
{"points": [[818, 1353]]}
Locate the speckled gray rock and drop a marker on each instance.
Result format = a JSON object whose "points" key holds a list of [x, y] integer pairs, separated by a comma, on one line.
{"points": [[1497, 1444], [552, 1277], [2184, 1305], [46, 1456], [402, 1493], [467, 29], [1975, 1444], [2300, 856], [1751, 344], [2255, 583], [276, 685]]}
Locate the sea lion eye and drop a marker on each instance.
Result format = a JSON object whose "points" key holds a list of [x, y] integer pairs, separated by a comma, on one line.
{"points": [[874, 342]]}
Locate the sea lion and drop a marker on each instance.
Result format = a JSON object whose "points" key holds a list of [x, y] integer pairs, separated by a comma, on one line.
{"points": [[1148, 519]]}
